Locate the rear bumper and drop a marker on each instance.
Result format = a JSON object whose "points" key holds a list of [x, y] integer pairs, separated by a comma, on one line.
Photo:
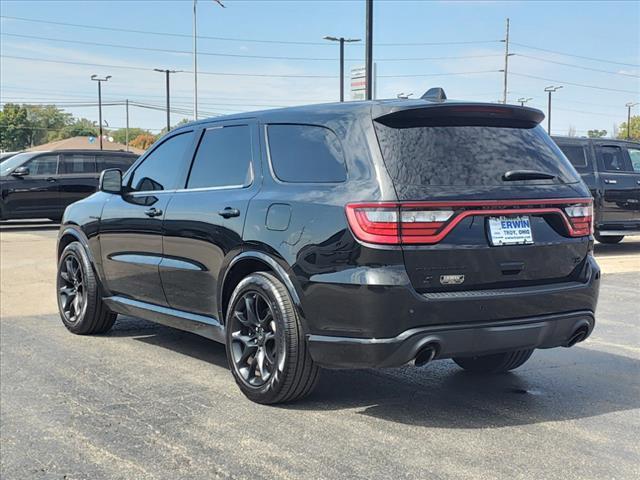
{"points": [[450, 340]]}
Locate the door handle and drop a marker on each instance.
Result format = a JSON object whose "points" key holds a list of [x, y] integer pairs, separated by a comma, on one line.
{"points": [[229, 212], [612, 182], [51, 180], [153, 212]]}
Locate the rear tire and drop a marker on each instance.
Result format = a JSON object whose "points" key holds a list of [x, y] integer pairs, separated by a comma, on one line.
{"points": [[79, 294], [496, 363], [266, 346], [608, 239]]}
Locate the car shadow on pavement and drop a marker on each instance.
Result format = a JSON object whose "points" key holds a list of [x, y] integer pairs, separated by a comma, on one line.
{"points": [[627, 247], [555, 385], [565, 385]]}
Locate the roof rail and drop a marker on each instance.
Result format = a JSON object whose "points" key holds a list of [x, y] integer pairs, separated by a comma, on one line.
{"points": [[435, 94]]}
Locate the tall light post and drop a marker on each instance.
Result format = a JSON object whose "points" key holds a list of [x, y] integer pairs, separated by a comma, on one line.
{"points": [[342, 41], [524, 100], [629, 106], [368, 54], [550, 89], [167, 72], [95, 78]]}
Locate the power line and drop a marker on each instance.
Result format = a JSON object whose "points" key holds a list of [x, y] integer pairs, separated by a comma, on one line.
{"points": [[576, 56], [596, 87], [238, 55], [444, 74], [577, 66], [233, 39]]}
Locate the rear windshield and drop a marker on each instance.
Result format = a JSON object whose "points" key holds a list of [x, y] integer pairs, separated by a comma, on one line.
{"points": [[470, 155]]}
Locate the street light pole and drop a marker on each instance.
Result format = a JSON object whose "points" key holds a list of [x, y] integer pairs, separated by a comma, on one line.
{"points": [[629, 106], [524, 100], [506, 63], [95, 78], [342, 41], [369, 50], [167, 72], [550, 89]]}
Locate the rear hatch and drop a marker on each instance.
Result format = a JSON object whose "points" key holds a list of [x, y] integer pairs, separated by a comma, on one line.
{"points": [[485, 198]]}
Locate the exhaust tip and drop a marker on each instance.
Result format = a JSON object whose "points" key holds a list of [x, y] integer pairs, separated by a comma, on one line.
{"points": [[579, 335], [425, 355]]}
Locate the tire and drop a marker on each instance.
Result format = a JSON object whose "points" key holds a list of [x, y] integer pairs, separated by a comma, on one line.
{"points": [[608, 239], [88, 314], [496, 363], [272, 332]]}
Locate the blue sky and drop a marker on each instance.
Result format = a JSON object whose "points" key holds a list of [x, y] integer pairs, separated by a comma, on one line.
{"points": [[600, 30]]}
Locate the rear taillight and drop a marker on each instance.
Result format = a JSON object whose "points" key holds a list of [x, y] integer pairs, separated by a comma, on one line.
{"points": [[391, 223], [580, 219]]}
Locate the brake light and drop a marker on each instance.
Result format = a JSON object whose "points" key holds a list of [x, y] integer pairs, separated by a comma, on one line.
{"points": [[580, 218], [391, 223]]}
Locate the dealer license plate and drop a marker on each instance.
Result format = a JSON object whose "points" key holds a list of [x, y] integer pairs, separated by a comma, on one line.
{"points": [[510, 231]]}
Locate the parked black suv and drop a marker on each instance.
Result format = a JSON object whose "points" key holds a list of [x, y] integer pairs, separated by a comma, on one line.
{"points": [[42, 184], [362, 234], [611, 170]]}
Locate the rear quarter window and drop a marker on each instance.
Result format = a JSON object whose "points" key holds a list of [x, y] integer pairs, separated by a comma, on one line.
{"points": [[306, 154], [577, 155]]}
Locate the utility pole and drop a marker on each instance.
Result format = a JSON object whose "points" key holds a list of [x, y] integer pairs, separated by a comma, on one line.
{"points": [[95, 78], [195, 56], [369, 50], [126, 132], [550, 89], [506, 63], [167, 72], [524, 100], [629, 106], [342, 41]]}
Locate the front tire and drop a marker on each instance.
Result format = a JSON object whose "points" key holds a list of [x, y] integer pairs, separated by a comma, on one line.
{"points": [[79, 297], [608, 239], [266, 347], [495, 363]]}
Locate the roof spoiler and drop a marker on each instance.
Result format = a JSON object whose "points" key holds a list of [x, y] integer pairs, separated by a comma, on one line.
{"points": [[435, 94], [462, 114]]}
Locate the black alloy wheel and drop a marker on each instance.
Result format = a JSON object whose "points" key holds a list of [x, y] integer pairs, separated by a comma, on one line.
{"points": [[254, 346], [72, 293]]}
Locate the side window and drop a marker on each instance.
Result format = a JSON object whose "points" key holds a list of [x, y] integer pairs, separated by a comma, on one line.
{"points": [[162, 168], [634, 154], [43, 165], [576, 155], [115, 161], [223, 158], [612, 158], [78, 163], [305, 153]]}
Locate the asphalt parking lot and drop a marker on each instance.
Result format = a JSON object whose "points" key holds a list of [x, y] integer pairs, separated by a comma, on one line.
{"points": [[147, 401]]}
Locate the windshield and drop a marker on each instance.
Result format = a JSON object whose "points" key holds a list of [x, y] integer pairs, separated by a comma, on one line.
{"points": [[10, 164], [470, 155]]}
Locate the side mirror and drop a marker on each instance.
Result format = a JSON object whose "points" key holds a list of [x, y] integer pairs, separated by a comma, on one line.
{"points": [[20, 172], [111, 181]]}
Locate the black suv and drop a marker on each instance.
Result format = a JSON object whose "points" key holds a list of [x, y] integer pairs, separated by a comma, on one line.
{"points": [[43, 184], [362, 234], [611, 170]]}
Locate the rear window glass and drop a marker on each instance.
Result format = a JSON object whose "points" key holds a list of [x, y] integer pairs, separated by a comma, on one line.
{"points": [[113, 161], [470, 155], [306, 154], [576, 155]]}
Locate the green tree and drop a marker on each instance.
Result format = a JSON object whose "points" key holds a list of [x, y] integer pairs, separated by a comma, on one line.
{"points": [[14, 127], [81, 127], [46, 122], [635, 128], [596, 133], [120, 135], [184, 121]]}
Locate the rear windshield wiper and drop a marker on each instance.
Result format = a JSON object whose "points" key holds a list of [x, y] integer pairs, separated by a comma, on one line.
{"points": [[513, 175]]}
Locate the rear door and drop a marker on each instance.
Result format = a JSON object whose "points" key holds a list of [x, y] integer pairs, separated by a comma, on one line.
{"points": [[77, 177], [205, 220], [36, 194], [131, 223], [464, 224], [621, 187]]}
